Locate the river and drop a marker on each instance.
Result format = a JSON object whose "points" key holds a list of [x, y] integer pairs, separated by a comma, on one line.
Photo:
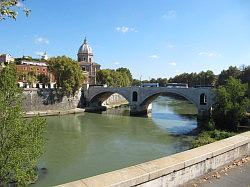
{"points": [[83, 145]]}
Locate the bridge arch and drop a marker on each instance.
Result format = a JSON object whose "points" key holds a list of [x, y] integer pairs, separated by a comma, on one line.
{"points": [[101, 97], [150, 98]]}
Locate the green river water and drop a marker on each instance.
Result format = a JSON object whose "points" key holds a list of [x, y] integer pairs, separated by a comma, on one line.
{"points": [[89, 144]]}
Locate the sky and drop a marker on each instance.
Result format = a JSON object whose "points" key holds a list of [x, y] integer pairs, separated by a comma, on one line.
{"points": [[153, 38]]}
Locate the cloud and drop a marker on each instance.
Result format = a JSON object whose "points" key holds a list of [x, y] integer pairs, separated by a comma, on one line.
{"points": [[209, 54], [172, 63], [154, 56], [125, 29], [41, 40], [117, 63], [169, 15]]}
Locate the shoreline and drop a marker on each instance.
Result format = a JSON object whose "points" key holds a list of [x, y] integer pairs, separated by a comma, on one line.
{"points": [[31, 114]]}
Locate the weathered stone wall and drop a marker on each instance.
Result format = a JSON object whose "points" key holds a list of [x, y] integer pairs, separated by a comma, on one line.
{"points": [[114, 100], [48, 99], [176, 169]]}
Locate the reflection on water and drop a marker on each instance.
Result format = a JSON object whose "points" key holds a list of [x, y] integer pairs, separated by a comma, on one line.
{"points": [[88, 144]]}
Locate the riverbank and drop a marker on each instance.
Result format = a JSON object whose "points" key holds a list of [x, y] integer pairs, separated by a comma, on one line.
{"points": [[73, 111], [54, 112]]}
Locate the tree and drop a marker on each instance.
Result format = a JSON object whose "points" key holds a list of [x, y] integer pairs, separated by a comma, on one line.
{"points": [[120, 77], [21, 141], [9, 8], [225, 74], [68, 74], [231, 105], [31, 78], [44, 79]]}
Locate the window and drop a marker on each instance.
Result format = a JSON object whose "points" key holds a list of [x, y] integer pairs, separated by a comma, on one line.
{"points": [[135, 97], [37, 69], [90, 59], [43, 69], [203, 99]]}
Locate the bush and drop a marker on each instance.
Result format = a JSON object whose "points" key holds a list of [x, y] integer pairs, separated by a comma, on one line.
{"points": [[207, 137]]}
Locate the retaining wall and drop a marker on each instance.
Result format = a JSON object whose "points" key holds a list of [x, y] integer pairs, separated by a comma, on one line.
{"points": [[175, 169], [48, 99]]}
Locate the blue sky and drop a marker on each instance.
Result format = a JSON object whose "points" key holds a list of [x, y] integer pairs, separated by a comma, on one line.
{"points": [[153, 38]]}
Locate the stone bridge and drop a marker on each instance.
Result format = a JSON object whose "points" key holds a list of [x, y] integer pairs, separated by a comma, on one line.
{"points": [[140, 98]]}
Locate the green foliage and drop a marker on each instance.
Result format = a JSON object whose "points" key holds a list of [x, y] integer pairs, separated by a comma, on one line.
{"points": [[68, 74], [21, 141], [192, 79], [225, 74], [9, 8], [31, 78], [44, 79], [136, 82], [207, 137], [231, 105], [120, 77]]}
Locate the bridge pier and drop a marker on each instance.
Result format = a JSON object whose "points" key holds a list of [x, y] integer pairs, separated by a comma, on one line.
{"points": [[137, 110], [203, 114]]}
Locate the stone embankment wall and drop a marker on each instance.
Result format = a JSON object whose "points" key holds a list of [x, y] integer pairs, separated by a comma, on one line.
{"points": [[114, 100], [176, 169], [48, 99]]}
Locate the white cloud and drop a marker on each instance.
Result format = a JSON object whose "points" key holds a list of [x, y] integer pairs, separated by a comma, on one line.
{"points": [[209, 54], [117, 63], [172, 63], [169, 15], [41, 40], [125, 29], [154, 56]]}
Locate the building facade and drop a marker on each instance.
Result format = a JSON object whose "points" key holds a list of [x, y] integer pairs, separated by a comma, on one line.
{"points": [[86, 61], [35, 68], [6, 58]]}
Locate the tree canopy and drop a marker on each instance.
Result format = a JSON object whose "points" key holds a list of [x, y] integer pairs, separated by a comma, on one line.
{"points": [[10, 8], [119, 77], [68, 74], [21, 140], [231, 104]]}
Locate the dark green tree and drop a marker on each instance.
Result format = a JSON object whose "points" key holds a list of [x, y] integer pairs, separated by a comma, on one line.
{"points": [[21, 140], [231, 105], [232, 71], [68, 74]]}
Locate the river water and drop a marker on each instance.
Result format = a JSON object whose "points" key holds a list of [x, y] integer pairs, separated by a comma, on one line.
{"points": [[88, 144]]}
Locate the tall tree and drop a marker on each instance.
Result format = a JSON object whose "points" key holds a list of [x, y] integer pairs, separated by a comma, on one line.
{"points": [[21, 141], [232, 71], [68, 74], [231, 105]]}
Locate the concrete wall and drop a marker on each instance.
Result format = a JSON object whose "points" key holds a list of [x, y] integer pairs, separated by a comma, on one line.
{"points": [[48, 99], [175, 169]]}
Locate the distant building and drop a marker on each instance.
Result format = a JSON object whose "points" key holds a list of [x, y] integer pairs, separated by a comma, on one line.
{"points": [[27, 65], [86, 61], [6, 58]]}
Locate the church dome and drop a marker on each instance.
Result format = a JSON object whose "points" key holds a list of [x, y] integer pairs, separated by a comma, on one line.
{"points": [[85, 48]]}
